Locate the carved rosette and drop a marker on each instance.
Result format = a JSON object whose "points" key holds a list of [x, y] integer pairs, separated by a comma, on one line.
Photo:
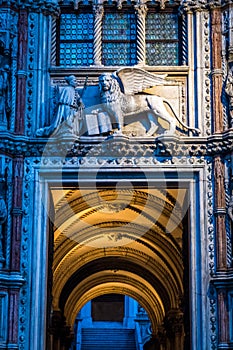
{"points": [[141, 11], [99, 12]]}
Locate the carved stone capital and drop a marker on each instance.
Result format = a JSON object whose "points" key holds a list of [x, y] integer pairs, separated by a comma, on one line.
{"points": [[193, 5], [214, 4], [98, 11], [141, 10], [174, 322]]}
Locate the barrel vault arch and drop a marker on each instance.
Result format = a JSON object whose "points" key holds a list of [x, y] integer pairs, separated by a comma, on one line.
{"points": [[100, 248]]}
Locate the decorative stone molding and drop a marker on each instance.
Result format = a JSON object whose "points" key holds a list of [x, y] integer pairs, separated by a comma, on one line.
{"points": [[161, 3], [213, 317], [146, 147], [194, 5]]}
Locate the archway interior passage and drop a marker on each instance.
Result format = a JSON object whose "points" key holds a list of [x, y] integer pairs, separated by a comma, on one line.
{"points": [[120, 239]]}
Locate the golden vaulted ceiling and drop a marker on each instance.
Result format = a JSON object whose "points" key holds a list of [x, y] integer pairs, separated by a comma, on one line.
{"points": [[118, 239]]}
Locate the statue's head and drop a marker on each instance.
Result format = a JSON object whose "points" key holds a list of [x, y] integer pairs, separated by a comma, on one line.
{"points": [[106, 81], [71, 80]]}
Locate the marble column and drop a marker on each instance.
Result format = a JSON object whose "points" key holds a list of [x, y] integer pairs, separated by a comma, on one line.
{"points": [[141, 11], [99, 12], [18, 165], [216, 36], [223, 316], [220, 212]]}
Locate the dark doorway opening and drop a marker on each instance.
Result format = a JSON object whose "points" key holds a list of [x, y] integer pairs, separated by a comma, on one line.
{"points": [[108, 307]]}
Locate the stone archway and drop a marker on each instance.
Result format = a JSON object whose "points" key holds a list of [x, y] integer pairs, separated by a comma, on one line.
{"points": [[138, 258]]}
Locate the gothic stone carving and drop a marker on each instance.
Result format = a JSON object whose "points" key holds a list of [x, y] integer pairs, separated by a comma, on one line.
{"points": [[68, 112], [123, 102]]}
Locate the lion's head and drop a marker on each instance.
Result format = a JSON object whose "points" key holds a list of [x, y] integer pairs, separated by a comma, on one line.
{"points": [[109, 88]]}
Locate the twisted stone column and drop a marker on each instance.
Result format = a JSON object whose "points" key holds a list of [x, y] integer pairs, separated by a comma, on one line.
{"points": [[54, 43], [141, 11], [99, 12]]}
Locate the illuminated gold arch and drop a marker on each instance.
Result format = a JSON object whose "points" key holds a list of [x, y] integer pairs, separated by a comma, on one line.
{"points": [[100, 248]]}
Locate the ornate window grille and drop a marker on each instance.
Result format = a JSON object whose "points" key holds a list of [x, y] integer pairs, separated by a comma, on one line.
{"points": [[119, 38], [76, 33], [162, 39], [105, 35]]}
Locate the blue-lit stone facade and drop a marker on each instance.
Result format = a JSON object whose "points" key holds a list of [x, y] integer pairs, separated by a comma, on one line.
{"points": [[88, 213]]}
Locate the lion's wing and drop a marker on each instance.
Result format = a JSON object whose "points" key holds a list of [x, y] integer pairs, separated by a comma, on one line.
{"points": [[135, 80]]}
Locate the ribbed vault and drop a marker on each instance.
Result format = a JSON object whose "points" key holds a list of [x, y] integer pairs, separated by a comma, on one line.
{"points": [[118, 240]]}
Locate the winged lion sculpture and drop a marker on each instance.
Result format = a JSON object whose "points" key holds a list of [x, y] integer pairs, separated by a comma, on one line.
{"points": [[120, 96]]}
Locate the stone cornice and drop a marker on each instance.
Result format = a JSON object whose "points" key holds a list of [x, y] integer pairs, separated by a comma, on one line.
{"points": [[165, 146], [75, 3]]}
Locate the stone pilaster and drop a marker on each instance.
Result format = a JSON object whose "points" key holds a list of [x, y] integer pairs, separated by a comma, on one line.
{"points": [[216, 36], [174, 325], [223, 316], [99, 12], [21, 74], [17, 212], [13, 316], [220, 212], [60, 334], [141, 11]]}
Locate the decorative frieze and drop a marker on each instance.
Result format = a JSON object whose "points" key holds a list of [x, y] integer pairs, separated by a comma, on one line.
{"points": [[161, 146]]}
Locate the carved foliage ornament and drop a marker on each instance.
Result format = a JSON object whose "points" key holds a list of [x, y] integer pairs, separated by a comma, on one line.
{"points": [[48, 7]]}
